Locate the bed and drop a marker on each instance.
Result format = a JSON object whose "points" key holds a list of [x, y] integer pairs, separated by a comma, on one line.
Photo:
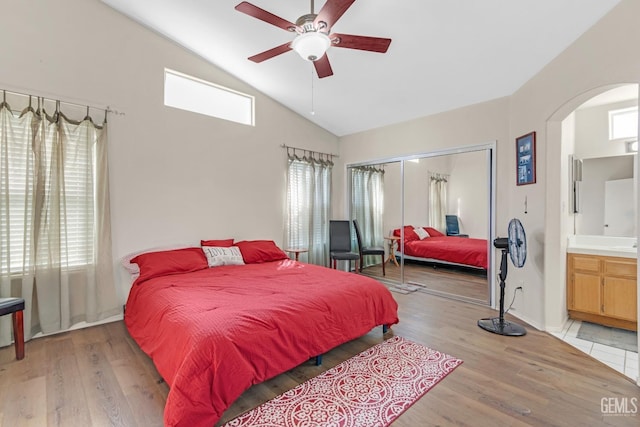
{"points": [[428, 244], [212, 332]]}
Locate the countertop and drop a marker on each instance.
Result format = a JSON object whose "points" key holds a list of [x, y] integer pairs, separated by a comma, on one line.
{"points": [[603, 245]]}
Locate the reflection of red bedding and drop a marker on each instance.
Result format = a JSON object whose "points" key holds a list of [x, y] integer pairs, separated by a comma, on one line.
{"points": [[215, 332], [460, 250]]}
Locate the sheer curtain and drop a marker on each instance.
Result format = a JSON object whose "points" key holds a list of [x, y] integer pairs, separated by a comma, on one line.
{"points": [[367, 204], [437, 200], [55, 230], [309, 205]]}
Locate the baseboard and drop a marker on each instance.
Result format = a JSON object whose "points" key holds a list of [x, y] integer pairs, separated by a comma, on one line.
{"points": [[558, 329], [526, 320], [82, 325]]}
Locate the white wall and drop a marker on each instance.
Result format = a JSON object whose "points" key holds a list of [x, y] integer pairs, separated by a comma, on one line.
{"points": [[469, 192], [175, 176], [416, 182], [592, 131]]}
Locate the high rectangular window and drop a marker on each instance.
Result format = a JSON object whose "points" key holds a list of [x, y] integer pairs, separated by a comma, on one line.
{"points": [[200, 96], [623, 123]]}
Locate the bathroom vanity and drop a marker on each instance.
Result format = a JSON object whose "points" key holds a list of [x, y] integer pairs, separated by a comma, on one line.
{"points": [[602, 281]]}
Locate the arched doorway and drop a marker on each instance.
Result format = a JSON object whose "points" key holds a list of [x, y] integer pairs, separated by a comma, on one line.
{"points": [[560, 221]]}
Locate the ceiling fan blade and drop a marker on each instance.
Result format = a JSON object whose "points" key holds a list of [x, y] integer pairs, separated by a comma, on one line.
{"points": [[323, 67], [268, 54], [332, 11], [265, 16], [372, 44]]}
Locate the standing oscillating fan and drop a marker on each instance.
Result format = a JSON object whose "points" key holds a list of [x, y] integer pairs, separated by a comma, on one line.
{"points": [[516, 246]]}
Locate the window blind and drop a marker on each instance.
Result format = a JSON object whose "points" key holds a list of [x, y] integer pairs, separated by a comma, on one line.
{"points": [[26, 185]]}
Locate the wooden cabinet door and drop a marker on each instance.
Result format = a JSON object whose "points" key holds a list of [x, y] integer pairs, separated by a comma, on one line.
{"points": [[586, 293], [620, 298]]}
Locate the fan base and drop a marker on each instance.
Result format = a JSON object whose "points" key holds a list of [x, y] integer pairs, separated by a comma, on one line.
{"points": [[502, 327]]}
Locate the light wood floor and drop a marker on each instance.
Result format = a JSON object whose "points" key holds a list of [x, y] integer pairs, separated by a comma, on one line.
{"points": [[99, 377], [466, 283]]}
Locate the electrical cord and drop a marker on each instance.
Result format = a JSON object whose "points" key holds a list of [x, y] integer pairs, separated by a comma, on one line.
{"points": [[513, 300]]}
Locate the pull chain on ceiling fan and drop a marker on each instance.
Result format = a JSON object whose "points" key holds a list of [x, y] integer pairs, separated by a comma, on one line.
{"points": [[314, 36]]}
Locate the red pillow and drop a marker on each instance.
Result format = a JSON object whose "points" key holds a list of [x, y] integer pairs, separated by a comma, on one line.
{"points": [[257, 251], [226, 243], [409, 234], [433, 232], [155, 264]]}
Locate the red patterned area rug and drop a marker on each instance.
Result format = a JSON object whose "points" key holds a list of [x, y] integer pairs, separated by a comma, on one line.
{"points": [[370, 389]]}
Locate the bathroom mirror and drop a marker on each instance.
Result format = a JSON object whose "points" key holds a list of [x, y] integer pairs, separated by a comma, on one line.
{"points": [[606, 197]]}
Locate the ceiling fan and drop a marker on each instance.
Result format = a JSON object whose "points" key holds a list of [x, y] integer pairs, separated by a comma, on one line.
{"points": [[313, 34]]}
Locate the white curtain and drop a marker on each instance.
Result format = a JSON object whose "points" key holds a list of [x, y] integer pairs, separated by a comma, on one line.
{"points": [[367, 204], [309, 205], [438, 200], [55, 230]]}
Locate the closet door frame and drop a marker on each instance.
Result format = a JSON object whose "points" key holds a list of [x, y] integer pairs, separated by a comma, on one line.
{"points": [[490, 148]]}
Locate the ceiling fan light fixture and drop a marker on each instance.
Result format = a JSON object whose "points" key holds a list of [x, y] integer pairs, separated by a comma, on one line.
{"points": [[312, 45]]}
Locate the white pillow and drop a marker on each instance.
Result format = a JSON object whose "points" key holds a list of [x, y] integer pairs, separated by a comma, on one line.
{"points": [[421, 232], [217, 256]]}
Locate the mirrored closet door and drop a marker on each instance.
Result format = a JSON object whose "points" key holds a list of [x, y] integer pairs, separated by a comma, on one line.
{"points": [[433, 215]]}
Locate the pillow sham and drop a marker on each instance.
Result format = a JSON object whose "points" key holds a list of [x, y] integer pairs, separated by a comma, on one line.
{"points": [[217, 256], [257, 251], [162, 263], [225, 243], [134, 270], [422, 234], [409, 234], [433, 232]]}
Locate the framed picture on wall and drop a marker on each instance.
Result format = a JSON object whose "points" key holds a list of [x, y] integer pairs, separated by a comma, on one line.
{"points": [[526, 159]]}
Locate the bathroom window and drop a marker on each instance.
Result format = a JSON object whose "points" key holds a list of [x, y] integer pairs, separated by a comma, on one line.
{"points": [[623, 124]]}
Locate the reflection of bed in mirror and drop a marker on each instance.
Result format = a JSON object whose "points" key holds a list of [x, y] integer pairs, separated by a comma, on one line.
{"points": [[404, 196], [441, 249]]}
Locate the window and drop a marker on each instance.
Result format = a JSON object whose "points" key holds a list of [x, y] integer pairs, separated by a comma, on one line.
{"points": [[623, 123], [47, 205], [309, 206], [203, 97]]}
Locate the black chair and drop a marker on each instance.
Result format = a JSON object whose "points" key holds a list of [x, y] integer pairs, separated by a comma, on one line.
{"points": [[367, 250], [453, 228], [340, 243], [15, 307]]}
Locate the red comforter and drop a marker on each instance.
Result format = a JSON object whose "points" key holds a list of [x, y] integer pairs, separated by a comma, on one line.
{"points": [[460, 250], [215, 332]]}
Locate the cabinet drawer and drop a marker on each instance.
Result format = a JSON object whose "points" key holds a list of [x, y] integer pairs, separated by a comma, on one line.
{"points": [[585, 263], [619, 268]]}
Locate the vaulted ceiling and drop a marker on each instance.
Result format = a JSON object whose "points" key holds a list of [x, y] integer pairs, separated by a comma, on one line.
{"points": [[444, 54]]}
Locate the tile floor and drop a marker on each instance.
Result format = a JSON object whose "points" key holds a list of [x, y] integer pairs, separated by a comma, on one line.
{"points": [[620, 360]]}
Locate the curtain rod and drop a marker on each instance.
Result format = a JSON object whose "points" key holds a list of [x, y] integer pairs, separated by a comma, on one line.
{"points": [[106, 109], [288, 147], [437, 176]]}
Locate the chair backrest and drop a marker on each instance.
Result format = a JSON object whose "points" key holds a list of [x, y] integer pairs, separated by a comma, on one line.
{"points": [[339, 236], [358, 235], [452, 224]]}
